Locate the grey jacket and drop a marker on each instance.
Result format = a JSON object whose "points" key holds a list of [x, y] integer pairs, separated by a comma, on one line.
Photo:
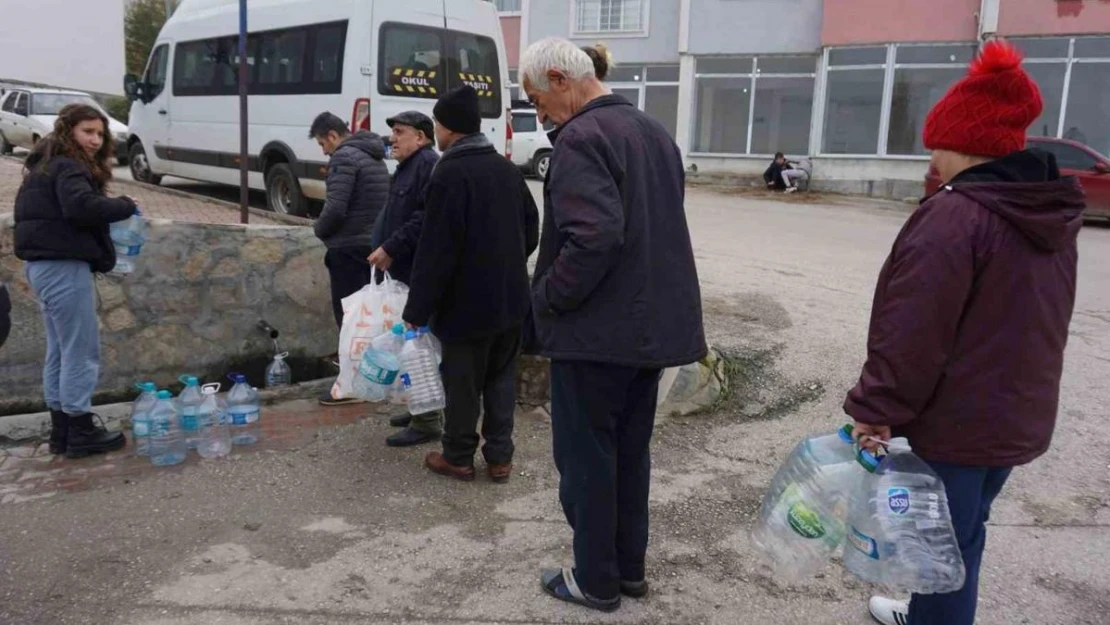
{"points": [[615, 281], [358, 188]]}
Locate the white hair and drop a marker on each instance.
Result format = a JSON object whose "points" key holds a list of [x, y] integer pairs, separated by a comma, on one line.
{"points": [[554, 53]]}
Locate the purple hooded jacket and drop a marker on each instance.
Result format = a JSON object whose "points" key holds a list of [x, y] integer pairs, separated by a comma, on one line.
{"points": [[971, 316]]}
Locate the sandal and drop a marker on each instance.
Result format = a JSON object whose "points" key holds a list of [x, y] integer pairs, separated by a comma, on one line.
{"points": [[560, 583]]}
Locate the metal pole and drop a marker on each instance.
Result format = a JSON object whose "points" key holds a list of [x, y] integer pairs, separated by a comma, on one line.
{"points": [[244, 158]]}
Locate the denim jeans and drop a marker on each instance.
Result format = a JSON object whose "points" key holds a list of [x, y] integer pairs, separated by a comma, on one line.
{"points": [[602, 417], [971, 491], [67, 295]]}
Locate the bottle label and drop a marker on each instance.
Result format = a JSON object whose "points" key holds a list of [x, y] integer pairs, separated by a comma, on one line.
{"points": [[376, 373], [804, 521], [243, 418], [406, 381], [190, 420], [898, 500], [140, 428], [863, 543], [160, 428]]}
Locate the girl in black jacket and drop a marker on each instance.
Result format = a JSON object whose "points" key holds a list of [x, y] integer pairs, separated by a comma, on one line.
{"points": [[61, 229]]}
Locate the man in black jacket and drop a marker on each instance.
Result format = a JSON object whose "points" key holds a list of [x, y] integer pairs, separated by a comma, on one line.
{"points": [[396, 233], [616, 300], [470, 283], [358, 187]]}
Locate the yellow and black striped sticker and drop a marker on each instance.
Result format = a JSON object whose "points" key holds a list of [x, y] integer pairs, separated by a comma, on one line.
{"points": [[482, 83], [416, 82]]}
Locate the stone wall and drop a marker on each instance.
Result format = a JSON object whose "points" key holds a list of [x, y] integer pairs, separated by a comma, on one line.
{"points": [[192, 306]]}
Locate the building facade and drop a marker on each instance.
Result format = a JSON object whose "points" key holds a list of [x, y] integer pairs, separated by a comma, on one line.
{"points": [[846, 83]]}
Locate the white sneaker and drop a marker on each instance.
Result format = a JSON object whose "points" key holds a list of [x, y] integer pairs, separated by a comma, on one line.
{"points": [[791, 189], [889, 611]]}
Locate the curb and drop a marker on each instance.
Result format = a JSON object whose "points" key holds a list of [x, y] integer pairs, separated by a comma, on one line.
{"points": [[36, 426]]}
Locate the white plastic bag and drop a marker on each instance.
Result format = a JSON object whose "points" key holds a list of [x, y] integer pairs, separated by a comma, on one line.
{"points": [[367, 314]]}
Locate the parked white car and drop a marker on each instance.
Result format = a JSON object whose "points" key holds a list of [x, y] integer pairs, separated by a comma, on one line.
{"points": [[26, 115], [531, 147]]}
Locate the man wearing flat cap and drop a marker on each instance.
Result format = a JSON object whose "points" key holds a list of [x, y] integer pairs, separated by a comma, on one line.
{"points": [[470, 284], [397, 231]]}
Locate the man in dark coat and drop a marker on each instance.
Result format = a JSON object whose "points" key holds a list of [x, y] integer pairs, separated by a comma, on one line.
{"points": [[615, 301], [971, 313], [470, 283], [397, 231], [358, 187]]}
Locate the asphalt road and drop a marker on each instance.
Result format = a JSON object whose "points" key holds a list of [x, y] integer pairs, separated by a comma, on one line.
{"points": [[348, 531]]}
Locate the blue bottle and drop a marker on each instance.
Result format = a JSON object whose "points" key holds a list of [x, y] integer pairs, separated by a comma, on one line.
{"points": [[167, 446]]}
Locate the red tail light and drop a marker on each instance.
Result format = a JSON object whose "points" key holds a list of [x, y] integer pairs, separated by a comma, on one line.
{"points": [[360, 116], [509, 134]]}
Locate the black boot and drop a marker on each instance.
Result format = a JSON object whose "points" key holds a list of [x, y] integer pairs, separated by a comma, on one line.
{"points": [[401, 421], [85, 438], [59, 431], [409, 437]]}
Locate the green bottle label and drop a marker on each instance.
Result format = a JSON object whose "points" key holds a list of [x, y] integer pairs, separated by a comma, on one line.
{"points": [[804, 521]]}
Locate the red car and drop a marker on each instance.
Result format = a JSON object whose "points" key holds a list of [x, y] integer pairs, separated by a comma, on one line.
{"points": [[1074, 159]]}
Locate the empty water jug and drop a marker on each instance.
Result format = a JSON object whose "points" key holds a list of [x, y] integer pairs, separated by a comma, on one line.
{"points": [[128, 237]]}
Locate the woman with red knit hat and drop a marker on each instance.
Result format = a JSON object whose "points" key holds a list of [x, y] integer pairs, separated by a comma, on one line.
{"points": [[971, 312]]}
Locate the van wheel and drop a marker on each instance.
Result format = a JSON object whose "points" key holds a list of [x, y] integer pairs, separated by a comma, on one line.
{"points": [[5, 147], [283, 191], [540, 164], [140, 166]]}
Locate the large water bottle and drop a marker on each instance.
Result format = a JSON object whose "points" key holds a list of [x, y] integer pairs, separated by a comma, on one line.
{"points": [[215, 437], [423, 383], [243, 411], [376, 374], [278, 372], [188, 404], [140, 416], [395, 344], [900, 528], [167, 446], [128, 237], [803, 518]]}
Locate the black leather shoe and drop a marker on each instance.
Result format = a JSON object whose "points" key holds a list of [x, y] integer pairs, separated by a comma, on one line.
{"points": [[86, 438], [401, 421], [59, 431], [410, 437]]}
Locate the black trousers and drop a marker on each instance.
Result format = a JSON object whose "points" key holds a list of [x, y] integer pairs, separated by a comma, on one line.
{"points": [[602, 418], [476, 375], [349, 272], [5, 314]]}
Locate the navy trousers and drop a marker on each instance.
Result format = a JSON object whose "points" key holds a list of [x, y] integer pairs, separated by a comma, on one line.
{"points": [[602, 418], [971, 491]]}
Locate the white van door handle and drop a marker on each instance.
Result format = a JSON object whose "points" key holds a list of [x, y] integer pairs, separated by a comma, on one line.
{"points": [[162, 112]]}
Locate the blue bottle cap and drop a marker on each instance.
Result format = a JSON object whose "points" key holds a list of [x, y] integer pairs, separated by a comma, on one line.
{"points": [[845, 433], [410, 335], [147, 387], [399, 329], [868, 460], [165, 395], [189, 380], [238, 378]]}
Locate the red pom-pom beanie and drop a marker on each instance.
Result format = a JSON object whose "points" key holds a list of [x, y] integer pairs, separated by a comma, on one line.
{"points": [[988, 111]]}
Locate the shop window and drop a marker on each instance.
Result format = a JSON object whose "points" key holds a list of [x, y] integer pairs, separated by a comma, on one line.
{"points": [[663, 73], [853, 108], [1043, 48], [729, 65], [662, 103], [1092, 48], [1089, 106], [930, 54], [857, 56], [783, 109], [1050, 78], [722, 115]]}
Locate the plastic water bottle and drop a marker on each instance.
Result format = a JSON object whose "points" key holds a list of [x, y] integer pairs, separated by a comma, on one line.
{"points": [[140, 416], [167, 446], [900, 528], [803, 518], [423, 383], [278, 372], [215, 438], [243, 411], [189, 403], [128, 237], [377, 372], [395, 344], [437, 347]]}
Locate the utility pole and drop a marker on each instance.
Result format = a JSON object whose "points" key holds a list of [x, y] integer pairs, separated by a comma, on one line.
{"points": [[244, 157]]}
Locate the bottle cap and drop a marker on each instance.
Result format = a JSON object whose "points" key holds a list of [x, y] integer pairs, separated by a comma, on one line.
{"points": [[867, 460], [399, 329], [147, 387], [165, 395], [189, 380], [237, 378], [410, 335], [845, 433]]}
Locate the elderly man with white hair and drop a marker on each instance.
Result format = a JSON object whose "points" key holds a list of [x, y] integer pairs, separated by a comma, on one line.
{"points": [[615, 300]]}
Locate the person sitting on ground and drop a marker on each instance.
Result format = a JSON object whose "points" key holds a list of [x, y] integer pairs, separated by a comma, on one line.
{"points": [[783, 174], [62, 217], [470, 283], [971, 313], [358, 188]]}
